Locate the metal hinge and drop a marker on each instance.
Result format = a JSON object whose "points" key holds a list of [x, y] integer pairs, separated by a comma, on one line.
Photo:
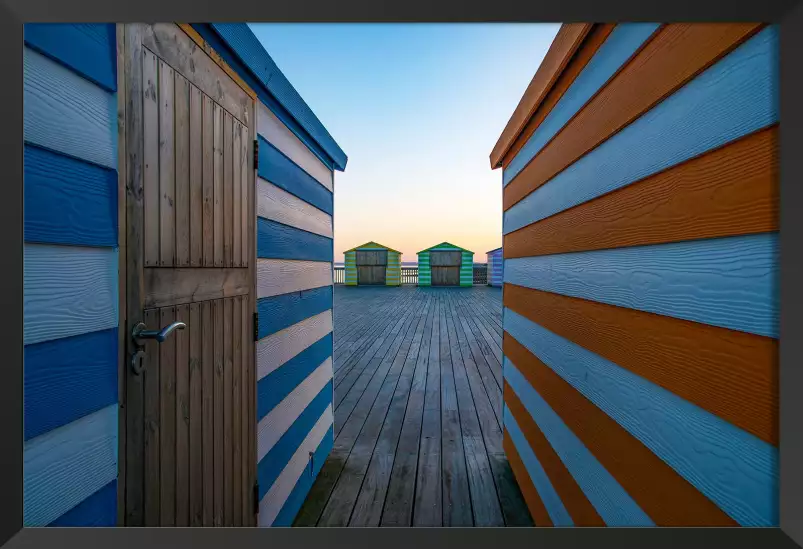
{"points": [[256, 154], [256, 326], [256, 498]]}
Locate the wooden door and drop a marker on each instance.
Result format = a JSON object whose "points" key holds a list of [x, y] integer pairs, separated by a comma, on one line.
{"points": [[188, 432], [445, 267], [371, 275], [445, 259], [372, 257], [445, 276], [371, 267]]}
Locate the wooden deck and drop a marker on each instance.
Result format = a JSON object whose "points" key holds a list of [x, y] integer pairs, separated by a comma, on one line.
{"points": [[418, 413]]}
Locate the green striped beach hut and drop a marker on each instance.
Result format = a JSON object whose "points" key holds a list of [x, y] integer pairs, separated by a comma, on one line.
{"points": [[445, 265], [372, 264]]}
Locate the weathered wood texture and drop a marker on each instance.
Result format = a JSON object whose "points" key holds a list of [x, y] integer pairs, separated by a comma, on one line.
{"points": [[182, 157], [418, 437], [189, 417], [191, 379]]}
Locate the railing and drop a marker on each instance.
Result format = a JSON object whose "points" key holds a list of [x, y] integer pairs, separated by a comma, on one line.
{"points": [[409, 275], [480, 274]]}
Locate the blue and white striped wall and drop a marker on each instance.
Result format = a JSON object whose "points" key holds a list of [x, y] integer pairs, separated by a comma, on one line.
{"points": [[71, 275], [294, 290]]}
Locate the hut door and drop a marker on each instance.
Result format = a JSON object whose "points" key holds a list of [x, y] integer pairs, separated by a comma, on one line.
{"points": [[371, 267], [445, 267], [187, 430]]}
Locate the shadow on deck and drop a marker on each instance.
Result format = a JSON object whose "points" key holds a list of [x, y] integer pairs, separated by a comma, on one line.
{"points": [[417, 413]]}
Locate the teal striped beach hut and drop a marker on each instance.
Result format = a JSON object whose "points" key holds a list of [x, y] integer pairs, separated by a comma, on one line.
{"points": [[445, 265]]}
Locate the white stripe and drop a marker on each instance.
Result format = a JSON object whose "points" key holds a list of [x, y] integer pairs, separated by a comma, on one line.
{"points": [[66, 465], [276, 423], [68, 290], [66, 113], [283, 276], [277, 134], [275, 498], [278, 205], [276, 349]]}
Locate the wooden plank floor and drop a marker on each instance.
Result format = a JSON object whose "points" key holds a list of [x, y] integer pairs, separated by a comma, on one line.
{"points": [[418, 412]]}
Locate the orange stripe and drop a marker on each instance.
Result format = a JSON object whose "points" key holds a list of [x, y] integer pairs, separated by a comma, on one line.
{"points": [[676, 55], [590, 46], [534, 504], [573, 498], [566, 42], [662, 493], [727, 192], [731, 374]]}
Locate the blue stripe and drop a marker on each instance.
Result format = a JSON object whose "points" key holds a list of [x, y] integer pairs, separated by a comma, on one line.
{"points": [[554, 506], [69, 291], [274, 387], [272, 465], [64, 112], [611, 501], [66, 379], [279, 241], [65, 466], [68, 201], [99, 509], [734, 469], [617, 49], [275, 167], [727, 282], [733, 98], [296, 498], [247, 47], [88, 49], [282, 311]]}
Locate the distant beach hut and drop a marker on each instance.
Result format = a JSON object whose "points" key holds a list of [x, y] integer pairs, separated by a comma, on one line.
{"points": [[372, 264], [445, 265], [495, 267]]}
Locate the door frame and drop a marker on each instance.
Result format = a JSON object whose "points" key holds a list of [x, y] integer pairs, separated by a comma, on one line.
{"points": [[130, 221]]}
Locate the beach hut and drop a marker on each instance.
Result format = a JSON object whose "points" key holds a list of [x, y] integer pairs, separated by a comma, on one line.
{"points": [[372, 264], [445, 265], [631, 167], [495, 265], [178, 214]]}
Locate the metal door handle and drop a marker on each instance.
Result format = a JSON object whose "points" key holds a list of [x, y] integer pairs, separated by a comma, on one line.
{"points": [[139, 332]]}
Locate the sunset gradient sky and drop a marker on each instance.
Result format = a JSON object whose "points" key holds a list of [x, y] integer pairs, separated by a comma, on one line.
{"points": [[417, 108]]}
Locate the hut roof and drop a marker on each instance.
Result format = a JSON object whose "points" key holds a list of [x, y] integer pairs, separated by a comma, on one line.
{"points": [[568, 40], [494, 250], [445, 245], [372, 244]]}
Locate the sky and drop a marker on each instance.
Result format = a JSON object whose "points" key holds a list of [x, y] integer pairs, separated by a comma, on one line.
{"points": [[417, 108]]}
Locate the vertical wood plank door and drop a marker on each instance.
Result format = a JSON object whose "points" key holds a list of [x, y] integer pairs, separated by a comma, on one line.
{"points": [[445, 267], [371, 267], [371, 275], [188, 404]]}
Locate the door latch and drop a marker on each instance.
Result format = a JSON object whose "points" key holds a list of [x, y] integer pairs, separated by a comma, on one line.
{"points": [[139, 334]]}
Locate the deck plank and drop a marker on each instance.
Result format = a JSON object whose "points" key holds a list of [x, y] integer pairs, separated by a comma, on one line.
{"points": [[418, 438]]}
